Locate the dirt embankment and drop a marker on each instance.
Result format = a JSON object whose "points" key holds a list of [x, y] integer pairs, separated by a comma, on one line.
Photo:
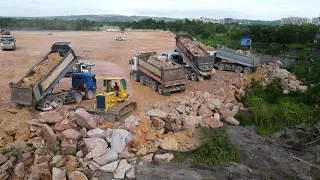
{"points": [[41, 70]]}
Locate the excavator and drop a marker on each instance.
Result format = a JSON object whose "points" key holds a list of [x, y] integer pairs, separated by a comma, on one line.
{"points": [[112, 104]]}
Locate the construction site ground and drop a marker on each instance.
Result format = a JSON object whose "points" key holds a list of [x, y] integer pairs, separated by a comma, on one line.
{"points": [[259, 155]]}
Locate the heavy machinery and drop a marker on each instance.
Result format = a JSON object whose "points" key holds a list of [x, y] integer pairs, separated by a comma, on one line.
{"points": [[8, 43], [80, 68], [5, 32], [119, 38], [44, 77], [197, 66], [227, 59], [163, 79], [113, 101]]}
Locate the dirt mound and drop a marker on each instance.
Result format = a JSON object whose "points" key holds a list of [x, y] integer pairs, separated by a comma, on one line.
{"points": [[162, 62], [41, 70], [194, 47]]}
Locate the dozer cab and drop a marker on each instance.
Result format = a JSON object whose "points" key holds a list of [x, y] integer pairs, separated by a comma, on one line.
{"points": [[113, 101]]}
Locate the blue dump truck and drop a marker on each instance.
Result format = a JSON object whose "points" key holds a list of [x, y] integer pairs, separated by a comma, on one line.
{"points": [[39, 93]]}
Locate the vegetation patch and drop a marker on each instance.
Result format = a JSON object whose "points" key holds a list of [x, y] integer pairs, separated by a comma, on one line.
{"points": [[216, 148], [11, 151]]}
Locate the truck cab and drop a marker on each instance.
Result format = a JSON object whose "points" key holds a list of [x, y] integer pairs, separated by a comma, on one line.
{"points": [[8, 43], [174, 56], [84, 82], [119, 38]]}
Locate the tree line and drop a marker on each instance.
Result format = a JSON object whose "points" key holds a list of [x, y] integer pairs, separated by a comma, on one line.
{"points": [[218, 33]]}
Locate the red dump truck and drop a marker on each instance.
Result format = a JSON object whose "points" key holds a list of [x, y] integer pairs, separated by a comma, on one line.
{"points": [[161, 75]]}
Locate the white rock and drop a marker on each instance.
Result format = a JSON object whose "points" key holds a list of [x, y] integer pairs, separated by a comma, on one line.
{"points": [[303, 88], [163, 157], [235, 109], [94, 166], [122, 169], [232, 120], [181, 109], [98, 151], [59, 174], [157, 113], [108, 157], [285, 91], [96, 133], [80, 154], [110, 168], [131, 173], [120, 138]]}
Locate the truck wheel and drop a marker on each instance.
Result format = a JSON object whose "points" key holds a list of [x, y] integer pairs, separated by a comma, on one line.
{"points": [[188, 75], [160, 89], [221, 66], [45, 104], [89, 95], [135, 77], [77, 97], [193, 76], [247, 70], [154, 85], [142, 80], [238, 69], [59, 102]]}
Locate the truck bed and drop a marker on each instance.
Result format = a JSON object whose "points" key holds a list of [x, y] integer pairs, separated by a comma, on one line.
{"points": [[43, 81], [250, 61], [194, 55], [166, 73]]}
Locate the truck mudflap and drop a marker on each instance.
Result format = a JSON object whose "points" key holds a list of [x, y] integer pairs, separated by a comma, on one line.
{"points": [[21, 96]]}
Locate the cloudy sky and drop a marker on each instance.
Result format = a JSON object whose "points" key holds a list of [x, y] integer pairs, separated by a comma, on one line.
{"points": [[242, 9]]}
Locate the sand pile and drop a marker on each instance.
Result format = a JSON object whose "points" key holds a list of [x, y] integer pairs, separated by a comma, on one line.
{"points": [[41, 70], [194, 47]]}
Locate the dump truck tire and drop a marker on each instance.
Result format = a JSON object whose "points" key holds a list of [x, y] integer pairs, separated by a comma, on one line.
{"points": [[154, 85], [78, 97], [135, 76], [59, 101], [89, 94], [142, 80], [247, 70], [238, 69], [221, 67], [160, 89], [194, 76]]}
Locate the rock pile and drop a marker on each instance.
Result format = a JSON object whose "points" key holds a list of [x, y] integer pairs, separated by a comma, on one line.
{"points": [[65, 144], [196, 109], [162, 62], [288, 80], [194, 47]]}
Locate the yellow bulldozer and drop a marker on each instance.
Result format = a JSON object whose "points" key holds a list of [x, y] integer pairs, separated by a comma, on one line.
{"points": [[113, 101]]}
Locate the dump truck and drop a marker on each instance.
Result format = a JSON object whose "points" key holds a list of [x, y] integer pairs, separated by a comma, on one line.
{"points": [[161, 75], [5, 32], [36, 86], [8, 43], [199, 64], [227, 59]]}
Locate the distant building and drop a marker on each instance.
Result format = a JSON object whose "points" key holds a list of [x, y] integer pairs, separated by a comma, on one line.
{"points": [[316, 21], [206, 20], [295, 20], [227, 20]]}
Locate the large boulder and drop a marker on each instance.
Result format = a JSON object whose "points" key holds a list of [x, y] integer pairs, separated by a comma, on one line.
{"points": [[50, 117], [98, 151], [71, 134], [190, 122], [213, 103], [157, 113], [68, 146], [108, 157], [303, 88], [226, 113], [96, 133], [84, 119], [40, 171], [110, 168], [120, 138], [131, 173], [91, 143], [204, 111], [122, 169], [48, 135]]}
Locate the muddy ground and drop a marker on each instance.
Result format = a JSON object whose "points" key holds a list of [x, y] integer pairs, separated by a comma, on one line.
{"points": [[261, 157]]}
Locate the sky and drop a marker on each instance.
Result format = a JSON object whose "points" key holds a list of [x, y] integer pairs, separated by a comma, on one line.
{"points": [[217, 9]]}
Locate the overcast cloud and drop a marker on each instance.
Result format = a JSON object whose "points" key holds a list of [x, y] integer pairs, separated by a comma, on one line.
{"points": [[240, 9]]}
